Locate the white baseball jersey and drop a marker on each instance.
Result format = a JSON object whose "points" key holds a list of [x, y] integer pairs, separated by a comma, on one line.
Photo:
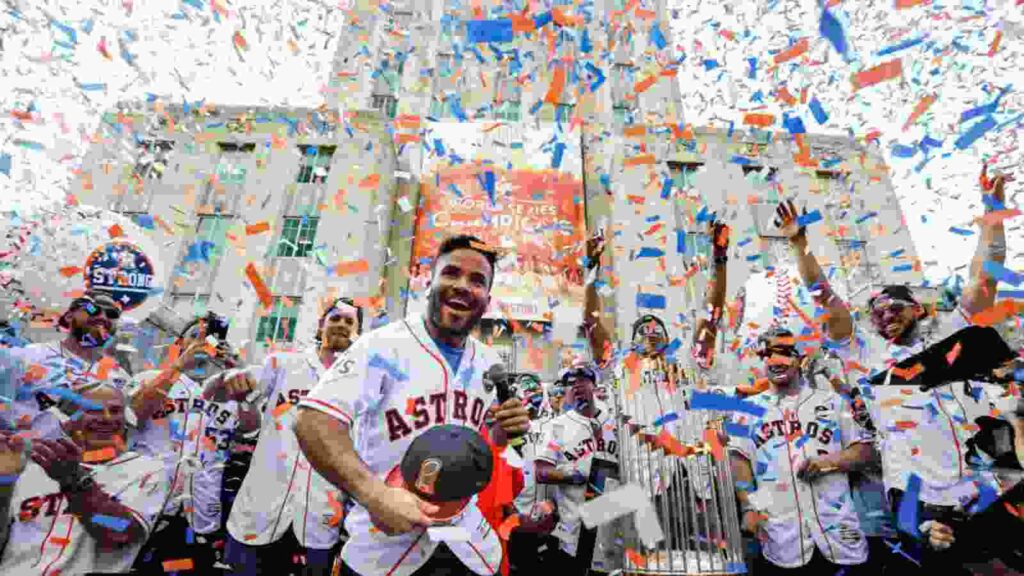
{"points": [[924, 433], [47, 540], [803, 514], [192, 437], [38, 367], [283, 491], [571, 442], [532, 493], [390, 386]]}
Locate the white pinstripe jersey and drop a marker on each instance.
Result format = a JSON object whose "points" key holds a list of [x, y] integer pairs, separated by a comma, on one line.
{"points": [[389, 387], [47, 540], [282, 490]]}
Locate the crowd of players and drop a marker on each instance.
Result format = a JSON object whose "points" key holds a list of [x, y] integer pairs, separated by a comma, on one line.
{"points": [[400, 451]]}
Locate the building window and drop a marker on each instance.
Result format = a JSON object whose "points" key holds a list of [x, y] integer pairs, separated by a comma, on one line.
{"points": [[316, 162], [152, 161], [279, 324], [683, 173], [211, 237], [386, 103], [297, 237], [230, 168], [509, 110]]}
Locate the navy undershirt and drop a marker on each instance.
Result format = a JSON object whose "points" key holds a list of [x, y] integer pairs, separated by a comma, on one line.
{"points": [[451, 354]]}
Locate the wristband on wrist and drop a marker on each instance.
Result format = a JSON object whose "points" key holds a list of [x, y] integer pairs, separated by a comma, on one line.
{"points": [[721, 259]]}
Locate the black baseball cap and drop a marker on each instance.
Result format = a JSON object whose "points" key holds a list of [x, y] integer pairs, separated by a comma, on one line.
{"points": [[446, 466], [93, 301]]}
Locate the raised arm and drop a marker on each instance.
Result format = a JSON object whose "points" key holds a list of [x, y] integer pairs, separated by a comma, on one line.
{"points": [[840, 321], [980, 292], [714, 297], [149, 397], [597, 334]]}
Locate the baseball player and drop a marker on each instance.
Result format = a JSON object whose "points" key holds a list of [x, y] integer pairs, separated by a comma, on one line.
{"points": [[564, 460], [284, 504], [394, 383], [791, 470], [83, 505], [187, 418], [44, 373], [932, 449]]}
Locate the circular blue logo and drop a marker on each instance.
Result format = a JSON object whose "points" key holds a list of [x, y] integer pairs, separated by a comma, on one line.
{"points": [[123, 270]]}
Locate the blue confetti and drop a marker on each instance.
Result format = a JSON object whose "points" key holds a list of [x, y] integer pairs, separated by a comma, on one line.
{"points": [[1000, 272], [866, 217], [893, 48], [681, 241], [819, 113], [907, 518], [5, 164], [710, 64], [665, 419], [831, 29], [712, 401], [556, 157], [67, 394], [809, 218], [488, 184], [961, 231], [666, 188], [903, 151], [586, 46], [599, 76], [976, 131], [752, 63], [439, 147], [649, 252], [737, 430], [654, 301], [113, 522], [543, 19], [657, 37], [378, 361], [794, 124]]}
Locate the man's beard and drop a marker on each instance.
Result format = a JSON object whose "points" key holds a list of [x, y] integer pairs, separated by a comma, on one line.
{"points": [[337, 342], [434, 309]]}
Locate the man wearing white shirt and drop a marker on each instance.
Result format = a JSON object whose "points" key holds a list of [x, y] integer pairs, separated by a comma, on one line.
{"points": [[284, 506], [392, 385], [84, 504]]}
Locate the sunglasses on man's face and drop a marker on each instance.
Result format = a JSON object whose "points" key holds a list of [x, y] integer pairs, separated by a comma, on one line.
{"points": [[787, 351], [650, 329], [880, 309]]}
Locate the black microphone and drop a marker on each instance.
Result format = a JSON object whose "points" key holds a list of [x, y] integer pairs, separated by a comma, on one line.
{"points": [[499, 377]]}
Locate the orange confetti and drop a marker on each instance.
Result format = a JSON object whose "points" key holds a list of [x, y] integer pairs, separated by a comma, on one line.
{"points": [[279, 410], [262, 292], [239, 41], [182, 565], [717, 451], [101, 455], [506, 528], [639, 160], [635, 558], [104, 366], [880, 73], [792, 52], [920, 109], [645, 84], [952, 354], [115, 231], [995, 44], [371, 181], [784, 95], [758, 119], [901, 4], [522, 23], [908, 373], [905, 424], [257, 228], [58, 541], [554, 94], [353, 267], [69, 271]]}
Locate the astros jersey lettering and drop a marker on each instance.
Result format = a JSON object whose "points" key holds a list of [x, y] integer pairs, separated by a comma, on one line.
{"points": [[390, 386], [802, 515], [192, 436], [47, 540]]}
